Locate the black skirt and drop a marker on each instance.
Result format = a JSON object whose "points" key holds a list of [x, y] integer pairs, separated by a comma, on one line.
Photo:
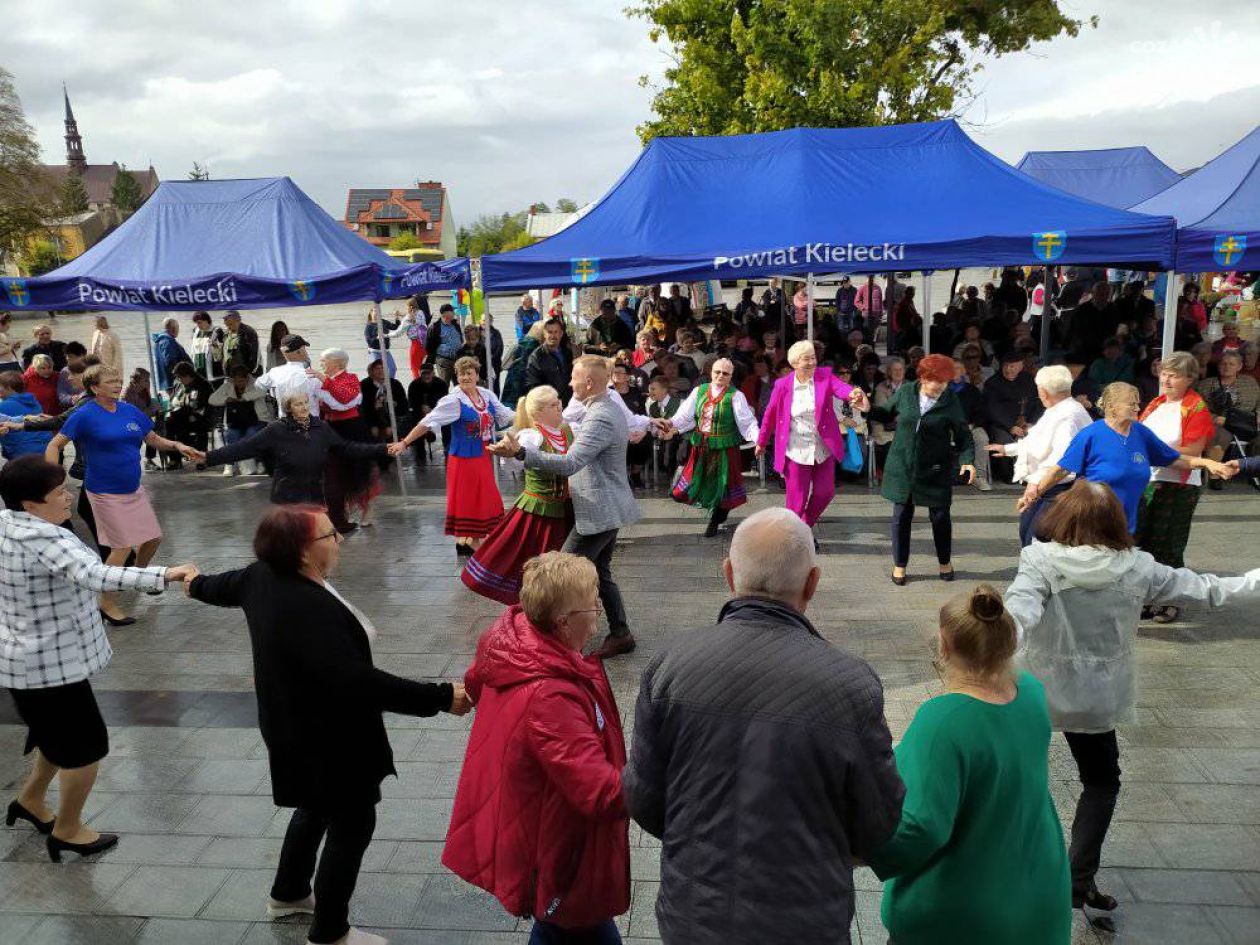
{"points": [[64, 723]]}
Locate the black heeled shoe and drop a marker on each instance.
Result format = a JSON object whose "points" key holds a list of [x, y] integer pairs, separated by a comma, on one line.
{"points": [[17, 812], [117, 621], [1099, 901], [56, 846], [947, 575]]}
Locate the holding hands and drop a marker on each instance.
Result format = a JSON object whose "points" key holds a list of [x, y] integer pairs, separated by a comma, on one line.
{"points": [[507, 446], [182, 573], [857, 397], [396, 449], [461, 702]]}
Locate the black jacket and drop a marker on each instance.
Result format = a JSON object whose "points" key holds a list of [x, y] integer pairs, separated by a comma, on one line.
{"points": [[246, 351], [297, 457], [320, 698], [1006, 400], [549, 367], [762, 760], [377, 415]]}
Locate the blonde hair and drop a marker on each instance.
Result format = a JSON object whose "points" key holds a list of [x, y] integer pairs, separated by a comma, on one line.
{"points": [[592, 362], [528, 406], [41, 360], [551, 582], [798, 350], [981, 634], [1117, 392], [536, 331], [92, 376]]}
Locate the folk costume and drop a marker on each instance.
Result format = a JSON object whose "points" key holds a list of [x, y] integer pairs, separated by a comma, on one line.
{"points": [[719, 420], [539, 522], [473, 503]]}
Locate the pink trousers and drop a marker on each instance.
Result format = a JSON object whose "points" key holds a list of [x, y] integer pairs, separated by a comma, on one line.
{"points": [[810, 489]]}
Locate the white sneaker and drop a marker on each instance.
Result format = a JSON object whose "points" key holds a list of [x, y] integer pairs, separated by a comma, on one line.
{"points": [[357, 937], [229, 469], [279, 910]]}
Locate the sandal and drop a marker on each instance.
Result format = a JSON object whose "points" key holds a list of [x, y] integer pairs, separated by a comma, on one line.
{"points": [[1167, 615]]}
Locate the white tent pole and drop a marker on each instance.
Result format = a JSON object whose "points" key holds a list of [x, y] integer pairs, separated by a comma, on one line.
{"points": [[148, 343], [927, 312], [389, 392], [1171, 294], [573, 308], [809, 308]]}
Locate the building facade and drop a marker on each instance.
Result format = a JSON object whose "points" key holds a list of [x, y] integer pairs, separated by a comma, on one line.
{"points": [[423, 212]]}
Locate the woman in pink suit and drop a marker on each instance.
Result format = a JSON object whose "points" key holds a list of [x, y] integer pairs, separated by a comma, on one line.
{"points": [[801, 416]]}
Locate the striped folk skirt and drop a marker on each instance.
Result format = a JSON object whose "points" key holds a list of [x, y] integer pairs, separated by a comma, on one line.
{"points": [[1164, 518], [473, 503]]}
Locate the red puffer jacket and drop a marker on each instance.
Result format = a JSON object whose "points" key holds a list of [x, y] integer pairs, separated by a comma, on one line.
{"points": [[539, 819]]}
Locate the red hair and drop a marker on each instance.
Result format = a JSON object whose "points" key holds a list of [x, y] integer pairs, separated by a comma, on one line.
{"points": [[283, 535], [935, 367]]}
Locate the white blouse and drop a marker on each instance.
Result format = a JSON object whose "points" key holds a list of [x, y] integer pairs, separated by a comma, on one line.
{"points": [[805, 447], [684, 418], [575, 412], [1047, 440], [446, 410]]}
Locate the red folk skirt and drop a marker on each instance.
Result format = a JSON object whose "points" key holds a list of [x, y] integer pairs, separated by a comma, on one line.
{"points": [[494, 570], [473, 503], [714, 492]]}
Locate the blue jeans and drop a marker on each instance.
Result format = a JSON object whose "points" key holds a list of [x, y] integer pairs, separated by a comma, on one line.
{"points": [[233, 435], [544, 933]]}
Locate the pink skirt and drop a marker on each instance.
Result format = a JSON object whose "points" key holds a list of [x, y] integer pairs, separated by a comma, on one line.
{"points": [[124, 521]]}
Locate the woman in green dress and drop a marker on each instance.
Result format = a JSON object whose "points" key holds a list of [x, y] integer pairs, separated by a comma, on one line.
{"points": [[978, 855]]}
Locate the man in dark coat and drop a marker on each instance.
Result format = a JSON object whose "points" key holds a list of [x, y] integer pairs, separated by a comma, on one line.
{"points": [[608, 334], [1011, 401], [45, 344], [550, 363], [240, 344], [761, 758], [1091, 323]]}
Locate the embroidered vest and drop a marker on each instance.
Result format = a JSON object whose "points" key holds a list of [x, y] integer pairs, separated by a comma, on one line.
{"points": [[546, 493], [466, 432], [723, 432]]}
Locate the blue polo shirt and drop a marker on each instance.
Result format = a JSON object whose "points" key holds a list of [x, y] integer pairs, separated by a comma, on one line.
{"points": [[110, 445], [1100, 454]]}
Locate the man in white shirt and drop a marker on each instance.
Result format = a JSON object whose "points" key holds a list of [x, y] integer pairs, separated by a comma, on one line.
{"points": [[293, 376]]}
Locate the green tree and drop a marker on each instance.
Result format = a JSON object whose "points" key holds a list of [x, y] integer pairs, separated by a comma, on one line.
{"points": [[762, 65], [125, 194], [40, 256], [27, 195], [490, 233], [72, 196], [519, 241], [405, 241], [565, 205], [199, 172]]}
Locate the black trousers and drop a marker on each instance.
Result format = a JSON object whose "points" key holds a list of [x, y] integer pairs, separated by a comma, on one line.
{"points": [[1098, 762], [942, 532], [348, 831], [598, 549]]}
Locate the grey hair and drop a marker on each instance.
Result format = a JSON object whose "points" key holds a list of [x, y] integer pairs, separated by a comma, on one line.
{"points": [[798, 349], [1055, 379], [772, 553], [336, 354], [171, 322], [1232, 353], [40, 360], [300, 396], [1183, 363]]}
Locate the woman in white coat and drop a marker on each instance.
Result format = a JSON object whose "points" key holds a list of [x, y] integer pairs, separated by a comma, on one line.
{"points": [[1077, 600]]}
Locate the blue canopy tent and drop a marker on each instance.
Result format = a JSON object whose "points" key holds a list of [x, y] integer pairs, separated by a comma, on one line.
{"points": [[227, 244], [857, 200], [1217, 210], [1114, 177]]}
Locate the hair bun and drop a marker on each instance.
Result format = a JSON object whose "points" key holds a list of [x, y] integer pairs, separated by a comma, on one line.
{"points": [[986, 604]]}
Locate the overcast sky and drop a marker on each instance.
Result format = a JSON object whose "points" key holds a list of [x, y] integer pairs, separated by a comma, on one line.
{"points": [[513, 103]]}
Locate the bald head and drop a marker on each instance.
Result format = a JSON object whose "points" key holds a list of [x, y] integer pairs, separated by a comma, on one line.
{"points": [[772, 555]]}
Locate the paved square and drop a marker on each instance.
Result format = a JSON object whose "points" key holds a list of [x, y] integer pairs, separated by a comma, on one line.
{"points": [[186, 782]]}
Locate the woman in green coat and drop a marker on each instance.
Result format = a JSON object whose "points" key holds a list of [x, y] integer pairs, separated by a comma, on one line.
{"points": [[932, 439], [978, 854]]}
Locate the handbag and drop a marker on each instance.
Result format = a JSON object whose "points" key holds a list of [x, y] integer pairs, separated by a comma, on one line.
{"points": [[853, 459]]}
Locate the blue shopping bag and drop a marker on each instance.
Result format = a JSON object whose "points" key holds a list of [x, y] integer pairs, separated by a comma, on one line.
{"points": [[853, 460]]}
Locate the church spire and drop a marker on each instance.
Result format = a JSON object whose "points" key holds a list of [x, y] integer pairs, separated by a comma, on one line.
{"points": [[74, 144]]}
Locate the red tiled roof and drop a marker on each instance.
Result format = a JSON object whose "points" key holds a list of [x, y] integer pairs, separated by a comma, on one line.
{"points": [[422, 203]]}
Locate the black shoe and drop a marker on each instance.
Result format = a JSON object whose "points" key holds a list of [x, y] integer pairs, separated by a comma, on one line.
{"points": [[1216, 485], [56, 846], [817, 547], [463, 550], [18, 812], [711, 530], [899, 581], [947, 575], [347, 529], [117, 621], [615, 646]]}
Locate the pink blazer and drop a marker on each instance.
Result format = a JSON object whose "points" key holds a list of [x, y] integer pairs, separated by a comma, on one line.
{"points": [[778, 416]]}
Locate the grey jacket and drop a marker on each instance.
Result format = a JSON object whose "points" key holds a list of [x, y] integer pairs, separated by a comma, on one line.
{"points": [[596, 468], [762, 759]]}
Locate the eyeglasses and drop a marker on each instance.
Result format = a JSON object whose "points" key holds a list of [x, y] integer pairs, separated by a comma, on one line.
{"points": [[717, 373], [334, 535], [597, 610]]}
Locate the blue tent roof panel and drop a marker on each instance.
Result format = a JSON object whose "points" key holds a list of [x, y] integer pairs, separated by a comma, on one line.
{"points": [[916, 197], [1115, 177]]}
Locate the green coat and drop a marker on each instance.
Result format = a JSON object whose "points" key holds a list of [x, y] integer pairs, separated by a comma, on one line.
{"points": [[925, 456]]}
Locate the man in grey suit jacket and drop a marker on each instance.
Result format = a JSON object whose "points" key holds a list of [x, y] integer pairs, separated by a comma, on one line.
{"points": [[602, 501]]}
